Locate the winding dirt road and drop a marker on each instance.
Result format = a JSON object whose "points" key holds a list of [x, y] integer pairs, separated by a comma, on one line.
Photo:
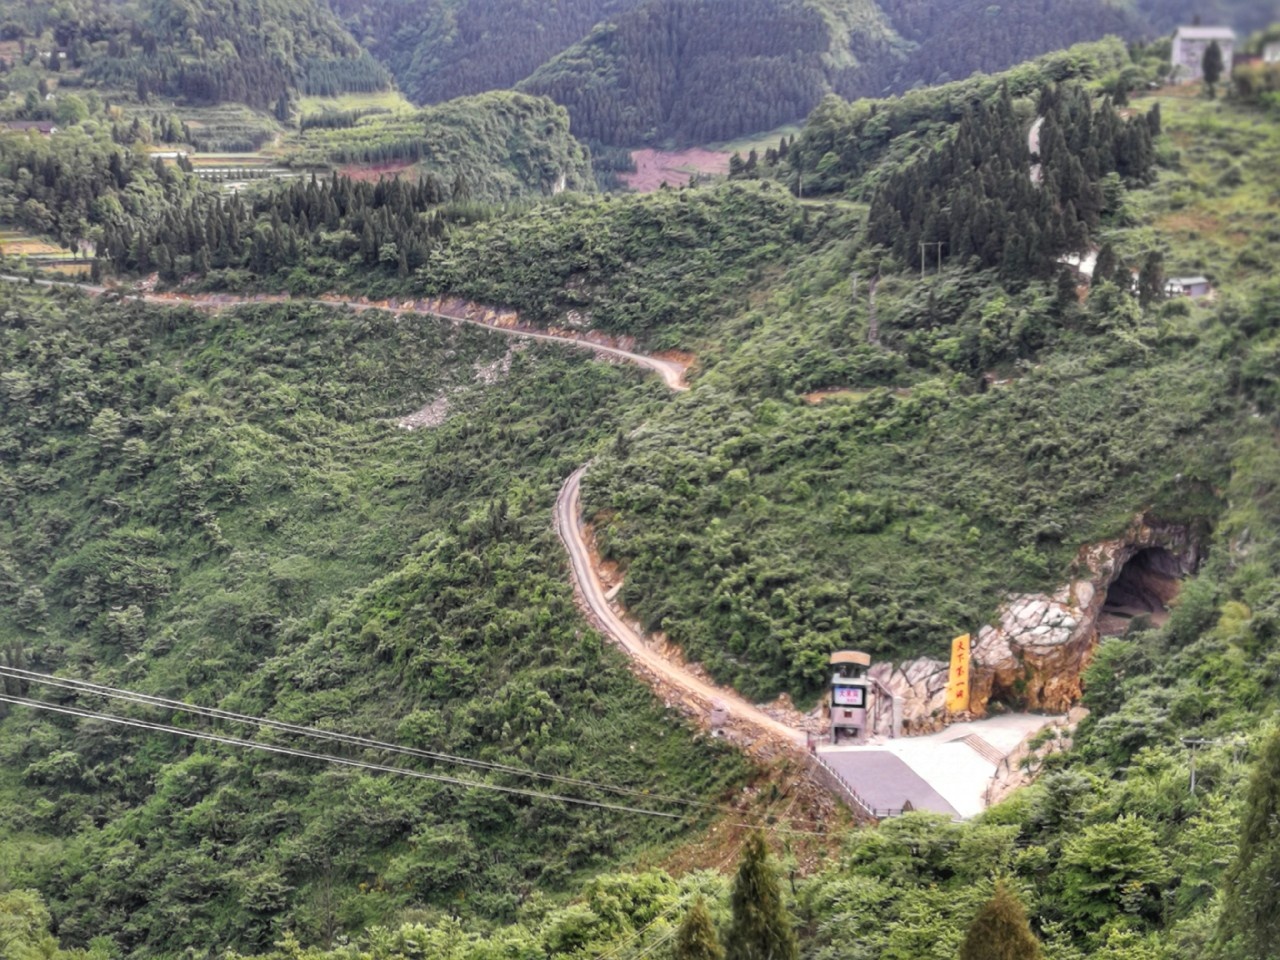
{"points": [[662, 672], [587, 585], [672, 373]]}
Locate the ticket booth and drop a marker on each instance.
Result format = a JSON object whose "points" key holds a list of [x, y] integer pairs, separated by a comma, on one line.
{"points": [[850, 697]]}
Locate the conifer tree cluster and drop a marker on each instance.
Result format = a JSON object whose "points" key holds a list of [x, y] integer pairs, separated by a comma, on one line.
{"points": [[65, 187], [979, 196], [691, 72], [381, 223], [328, 76], [961, 37], [251, 51]]}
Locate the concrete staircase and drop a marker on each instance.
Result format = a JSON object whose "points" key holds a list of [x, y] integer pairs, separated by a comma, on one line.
{"points": [[984, 749]]}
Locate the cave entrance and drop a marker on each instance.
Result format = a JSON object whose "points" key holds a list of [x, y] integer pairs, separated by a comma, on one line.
{"points": [[1146, 585]]}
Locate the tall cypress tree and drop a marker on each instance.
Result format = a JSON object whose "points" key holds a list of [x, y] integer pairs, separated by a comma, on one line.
{"points": [[1211, 66], [761, 927], [1104, 270], [1249, 927], [1000, 931], [696, 939], [1151, 279]]}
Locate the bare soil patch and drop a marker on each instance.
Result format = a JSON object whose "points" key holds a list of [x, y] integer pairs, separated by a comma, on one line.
{"points": [[784, 794], [823, 394], [371, 172], [832, 393], [431, 415], [1191, 222], [656, 167]]}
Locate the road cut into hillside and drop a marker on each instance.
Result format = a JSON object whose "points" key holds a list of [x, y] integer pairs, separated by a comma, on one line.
{"points": [[746, 724], [667, 676]]}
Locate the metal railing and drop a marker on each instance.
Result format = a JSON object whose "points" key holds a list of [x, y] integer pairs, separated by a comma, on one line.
{"points": [[842, 788]]}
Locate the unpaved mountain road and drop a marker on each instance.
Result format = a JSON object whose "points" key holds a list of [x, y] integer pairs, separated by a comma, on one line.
{"points": [[672, 373], [591, 592], [747, 722]]}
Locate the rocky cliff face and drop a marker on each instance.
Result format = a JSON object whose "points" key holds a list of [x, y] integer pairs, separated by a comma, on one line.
{"points": [[1032, 657], [922, 687]]}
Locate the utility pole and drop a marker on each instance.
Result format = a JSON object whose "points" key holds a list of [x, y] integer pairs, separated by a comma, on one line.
{"points": [[873, 325], [1193, 743], [924, 259]]}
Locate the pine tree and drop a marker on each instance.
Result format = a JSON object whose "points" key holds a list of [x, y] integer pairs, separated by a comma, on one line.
{"points": [[1000, 931], [1064, 294], [1151, 279], [761, 927], [1104, 271], [1211, 66], [696, 939], [1249, 927]]}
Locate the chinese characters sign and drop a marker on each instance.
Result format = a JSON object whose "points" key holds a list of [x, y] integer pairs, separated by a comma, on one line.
{"points": [[958, 677]]}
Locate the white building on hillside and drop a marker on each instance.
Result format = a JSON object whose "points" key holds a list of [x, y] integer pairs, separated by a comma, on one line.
{"points": [[1189, 45], [1271, 52]]}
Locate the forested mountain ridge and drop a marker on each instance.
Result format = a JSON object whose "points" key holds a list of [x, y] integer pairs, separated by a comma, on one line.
{"points": [[693, 72], [441, 49], [257, 52], [632, 72], [636, 72]]}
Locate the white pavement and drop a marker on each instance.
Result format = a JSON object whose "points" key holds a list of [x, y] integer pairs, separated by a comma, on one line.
{"points": [[955, 769]]}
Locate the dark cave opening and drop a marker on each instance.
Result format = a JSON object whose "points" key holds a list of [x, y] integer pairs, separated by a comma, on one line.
{"points": [[1144, 588]]}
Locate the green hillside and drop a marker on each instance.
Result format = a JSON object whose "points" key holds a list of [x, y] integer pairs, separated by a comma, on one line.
{"points": [[494, 146], [223, 507], [441, 49]]}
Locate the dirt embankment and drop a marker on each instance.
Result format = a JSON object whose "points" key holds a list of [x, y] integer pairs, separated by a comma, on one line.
{"points": [[373, 172]]}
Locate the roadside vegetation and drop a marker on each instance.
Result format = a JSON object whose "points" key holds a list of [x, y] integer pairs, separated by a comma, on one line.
{"points": [[222, 508]]}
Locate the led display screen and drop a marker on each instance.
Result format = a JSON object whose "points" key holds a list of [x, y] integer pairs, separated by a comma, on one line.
{"points": [[849, 696]]}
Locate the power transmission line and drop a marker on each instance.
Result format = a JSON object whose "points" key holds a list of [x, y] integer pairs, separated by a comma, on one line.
{"points": [[130, 696], [144, 699], [327, 758], [379, 767]]}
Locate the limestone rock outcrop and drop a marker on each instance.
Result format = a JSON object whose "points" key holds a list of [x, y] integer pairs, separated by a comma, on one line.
{"points": [[1033, 655], [922, 687]]}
